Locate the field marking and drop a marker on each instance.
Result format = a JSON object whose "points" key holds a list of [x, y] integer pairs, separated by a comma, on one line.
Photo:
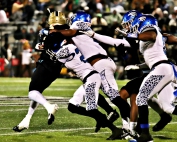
{"points": [[27, 109], [60, 130], [44, 131]]}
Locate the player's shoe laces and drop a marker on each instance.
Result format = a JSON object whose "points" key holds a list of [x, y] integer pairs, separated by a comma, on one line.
{"points": [[164, 120], [51, 112], [112, 116], [24, 124], [116, 134]]}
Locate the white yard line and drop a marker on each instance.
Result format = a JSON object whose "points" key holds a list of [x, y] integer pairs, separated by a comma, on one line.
{"points": [[27, 109], [58, 130]]}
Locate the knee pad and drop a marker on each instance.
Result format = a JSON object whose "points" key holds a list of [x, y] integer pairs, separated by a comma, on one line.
{"points": [[32, 94]]}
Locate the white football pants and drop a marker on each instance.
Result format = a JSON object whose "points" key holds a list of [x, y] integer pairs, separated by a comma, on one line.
{"points": [[88, 92], [107, 68]]}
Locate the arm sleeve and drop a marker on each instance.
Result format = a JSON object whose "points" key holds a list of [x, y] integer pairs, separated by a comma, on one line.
{"points": [[110, 40]]}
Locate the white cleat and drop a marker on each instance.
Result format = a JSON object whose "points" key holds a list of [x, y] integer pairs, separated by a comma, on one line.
{"points": [[24, 124], [51, 112]]}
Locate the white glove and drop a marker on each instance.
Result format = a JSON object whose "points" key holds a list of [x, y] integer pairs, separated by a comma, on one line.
{"points": [[43, 32], [120, 31], [132, 67], [90, 33]]}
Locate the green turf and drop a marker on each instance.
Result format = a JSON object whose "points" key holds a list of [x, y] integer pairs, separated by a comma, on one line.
{"points": [[67, 127]]}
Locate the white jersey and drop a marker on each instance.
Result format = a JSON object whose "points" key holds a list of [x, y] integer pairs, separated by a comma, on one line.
{"points": [[153, 51], [87, 46], [74, 60]]}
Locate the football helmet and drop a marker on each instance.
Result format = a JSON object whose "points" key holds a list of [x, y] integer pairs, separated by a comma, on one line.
{"points": [[56, 18], [142, 23], [128, 19], [79, 16]]}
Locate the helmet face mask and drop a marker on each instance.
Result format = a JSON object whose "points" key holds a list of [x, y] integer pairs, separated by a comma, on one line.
{"points": [[128, 18]]}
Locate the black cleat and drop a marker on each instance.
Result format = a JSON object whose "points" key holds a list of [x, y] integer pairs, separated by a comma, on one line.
{"points": [[164, 120], [112, 116], [145, 138], [16, 129], [116, 134], [51, 118]]}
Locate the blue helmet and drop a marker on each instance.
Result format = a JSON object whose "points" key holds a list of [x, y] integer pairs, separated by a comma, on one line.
{"points": [[143, 22], [129, 17], [80, 16]]}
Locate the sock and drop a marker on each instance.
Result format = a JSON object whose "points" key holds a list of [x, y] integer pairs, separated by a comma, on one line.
{"points": [[78, 109], [143, 118], [123, 106], [126, 124], [47, 106], [133, 125], [143, 114], [37, 97], [104, 104], [32, 108]]}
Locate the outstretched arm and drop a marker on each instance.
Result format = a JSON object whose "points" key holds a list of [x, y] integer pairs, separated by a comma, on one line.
{"points": [[110, 40], [145, 36], [68, 32]]}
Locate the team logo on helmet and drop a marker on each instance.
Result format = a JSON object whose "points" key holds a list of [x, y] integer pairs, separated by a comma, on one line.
{"points": [[143, 18], [133, 13]]}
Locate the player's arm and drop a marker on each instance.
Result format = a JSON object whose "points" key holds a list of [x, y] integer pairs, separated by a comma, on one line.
{"points": [[68, 32], [170, 39], [148, 35], [110, 40]]}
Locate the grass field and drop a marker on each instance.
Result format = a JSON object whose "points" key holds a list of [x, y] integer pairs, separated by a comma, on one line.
{"points": [[67, 127]]}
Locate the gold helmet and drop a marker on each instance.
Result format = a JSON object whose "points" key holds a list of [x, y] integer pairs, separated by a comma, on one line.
{"points": [[56, 18]]}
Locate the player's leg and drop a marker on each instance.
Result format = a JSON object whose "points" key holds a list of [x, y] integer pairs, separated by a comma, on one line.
{"points": [[41, 79], [106, 68], [152, 84], [130, 90], [91, 110], [166, 100], [112, 114]]}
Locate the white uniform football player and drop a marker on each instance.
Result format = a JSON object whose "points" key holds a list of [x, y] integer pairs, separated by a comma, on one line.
{"points": [[99, 59], [162, 71], [74, 60]]}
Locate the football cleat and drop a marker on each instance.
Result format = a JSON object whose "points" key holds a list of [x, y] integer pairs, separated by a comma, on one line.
{"points": [[24, 124], [116, 134], [51, 112], [145, 138], [112, 116], [164, 120]]}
